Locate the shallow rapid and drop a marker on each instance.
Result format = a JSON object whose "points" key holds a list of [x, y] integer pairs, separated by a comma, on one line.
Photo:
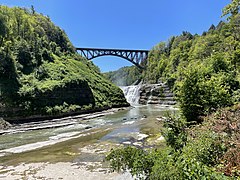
{"points": [[79, 144], [124, 127]]}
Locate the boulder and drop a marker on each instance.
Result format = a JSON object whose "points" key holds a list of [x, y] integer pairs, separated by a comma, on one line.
{"points": [[4, 124]]}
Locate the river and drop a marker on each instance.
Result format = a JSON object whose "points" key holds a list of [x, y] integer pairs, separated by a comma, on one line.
{"points": [[82, 140]]}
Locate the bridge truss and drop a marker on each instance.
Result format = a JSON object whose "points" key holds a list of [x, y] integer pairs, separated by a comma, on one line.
{"points": [[137, 57]]}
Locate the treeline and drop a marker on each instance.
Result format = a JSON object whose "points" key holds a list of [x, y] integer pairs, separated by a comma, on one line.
{"points": [[203, 139], [41, 73], [203, 71], [125, 76]]}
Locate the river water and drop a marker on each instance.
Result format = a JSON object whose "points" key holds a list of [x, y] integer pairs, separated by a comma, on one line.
{"points": [[77, 138], [85, 139]]}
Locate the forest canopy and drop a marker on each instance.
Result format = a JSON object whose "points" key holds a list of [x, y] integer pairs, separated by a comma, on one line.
{"points": [[41, 72]]}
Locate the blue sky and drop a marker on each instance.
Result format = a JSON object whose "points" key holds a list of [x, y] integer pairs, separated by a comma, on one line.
{"points": [[133, 24]]}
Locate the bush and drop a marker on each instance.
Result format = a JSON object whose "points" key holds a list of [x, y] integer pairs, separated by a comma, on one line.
{"points": [[174, 132], [192, 156], [200, 92], [130, 158]]}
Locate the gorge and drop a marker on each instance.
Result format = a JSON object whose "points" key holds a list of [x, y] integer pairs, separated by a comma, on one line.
{"points": [[82, 140], [183, 122]]}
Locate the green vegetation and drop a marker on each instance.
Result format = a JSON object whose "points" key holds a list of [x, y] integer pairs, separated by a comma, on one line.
{"points": [[203, 140], [206, 151], [125, 76], [40, 72], [232, 8], [203, 71]]}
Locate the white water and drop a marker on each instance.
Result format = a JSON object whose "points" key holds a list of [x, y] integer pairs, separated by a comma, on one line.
{"points": [[132, 94], [123, 126]]}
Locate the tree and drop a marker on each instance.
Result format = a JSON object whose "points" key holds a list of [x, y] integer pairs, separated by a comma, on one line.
{"points": [[232, 8], [3, 29], [33, 9]]}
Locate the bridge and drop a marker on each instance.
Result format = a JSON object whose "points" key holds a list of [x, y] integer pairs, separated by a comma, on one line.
{"points": [[137, 57]]}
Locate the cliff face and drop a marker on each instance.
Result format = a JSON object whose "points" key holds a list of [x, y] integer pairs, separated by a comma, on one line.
{"points": [[41, 73], [156, 94]]}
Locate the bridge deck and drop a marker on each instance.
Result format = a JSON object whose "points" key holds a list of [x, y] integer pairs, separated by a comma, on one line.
{"points": [[106, 49], [137, 57]]}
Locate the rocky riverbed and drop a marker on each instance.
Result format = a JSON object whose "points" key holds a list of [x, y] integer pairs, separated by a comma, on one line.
{"points": [[60, 170], [77, 150]]}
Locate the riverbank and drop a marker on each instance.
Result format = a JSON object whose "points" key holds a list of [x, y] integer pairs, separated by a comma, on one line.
{"points": [[36, 118], [37, 124], [81, 146], [61, 170]]}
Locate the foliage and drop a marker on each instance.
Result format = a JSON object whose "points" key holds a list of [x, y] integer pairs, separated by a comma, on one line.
{"points": [[226, 123], [203, 71], [232, 8], [175, 132], [200, 93], [125, 76], [41, 73], [196, 156], [136, 160]]}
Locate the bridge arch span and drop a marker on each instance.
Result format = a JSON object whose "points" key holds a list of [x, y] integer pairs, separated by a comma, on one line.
{"points": [[136, 64], [136, 57]]}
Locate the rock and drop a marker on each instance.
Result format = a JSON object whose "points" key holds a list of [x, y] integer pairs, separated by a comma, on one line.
{"points": [[124, 119], [127, 142], [144, 116], [161, 138], [138, 144], [156, 94], [141, 136], [160, 118], [4, 124]]}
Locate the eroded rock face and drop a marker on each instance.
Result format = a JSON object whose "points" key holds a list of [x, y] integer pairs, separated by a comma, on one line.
{"points": [[156, 94], [4, 124]]}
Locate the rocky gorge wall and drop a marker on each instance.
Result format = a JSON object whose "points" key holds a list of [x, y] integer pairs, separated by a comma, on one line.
{"points": [[149, 94], [156, 94]]}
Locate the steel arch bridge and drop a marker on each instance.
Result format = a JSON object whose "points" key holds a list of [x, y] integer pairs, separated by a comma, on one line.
{"points": [[134, 56]]}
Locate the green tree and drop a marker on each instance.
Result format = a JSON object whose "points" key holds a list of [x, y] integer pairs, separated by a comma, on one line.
{"points": [[3, 29], [232, 8]]}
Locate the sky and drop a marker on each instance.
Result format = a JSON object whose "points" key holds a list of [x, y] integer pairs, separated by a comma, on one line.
{"points": [[126, 24]]}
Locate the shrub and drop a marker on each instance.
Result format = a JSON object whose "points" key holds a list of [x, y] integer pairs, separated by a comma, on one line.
{"points": [[200, 92], [174, 132]]}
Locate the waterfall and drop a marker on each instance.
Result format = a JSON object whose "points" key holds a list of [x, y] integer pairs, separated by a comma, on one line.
{"points": [[132, 93], [148, 94]]}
